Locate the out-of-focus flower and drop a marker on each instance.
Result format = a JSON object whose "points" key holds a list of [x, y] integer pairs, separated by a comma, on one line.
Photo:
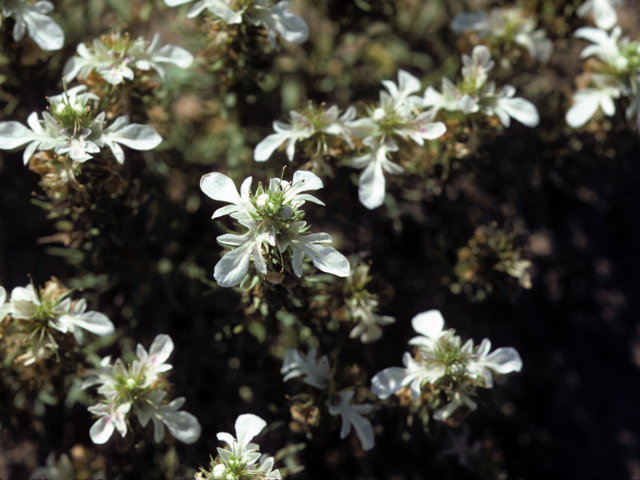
{"points": [[275, 19], [475, 94], [604, 12], [352, 416], [368, 327], [316, 372], [32, 17], [614, 74], [114, 57], [506, 25]]}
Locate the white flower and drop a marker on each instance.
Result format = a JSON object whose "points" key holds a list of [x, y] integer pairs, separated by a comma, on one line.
{"points": [[316, 372], [139, 387], [220, 8], [182, 425], [292, 28], [368, 327], [371, 184], [110, 419], [325, 258], [304, 126], [24, 302], [234, 265], [300, 128], [258, 12], [604, 13], [151, 364], [77, 145], [240, 449], [352, 416], [605, 46], [390, 380], [450, 99], [502, 360], [587, 101], [32, 17], [507, 24], [292, 191], [78, 142], [505, 107], [77, 319], [476, 68]]}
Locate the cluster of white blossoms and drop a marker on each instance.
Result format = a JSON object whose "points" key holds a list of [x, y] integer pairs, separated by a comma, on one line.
{"points": [[139, 387], [474, 94], [506, 25], [443, 364], [32, 17], [241, 459], [400, 115], [615, 73], [71, 127], [41, 314], [274, 18], [317, 373], [604, 12], [115, 57], [276, 235]]}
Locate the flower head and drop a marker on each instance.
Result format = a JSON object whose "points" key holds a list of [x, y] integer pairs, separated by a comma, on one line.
{"points": [[352, 416]]}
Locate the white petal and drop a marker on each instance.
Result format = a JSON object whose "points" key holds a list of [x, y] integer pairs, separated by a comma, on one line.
{"points": [[521, 109], [268, 145], [504, 360], [247, 427], [233, 266], [388, 381], [14, 134], [371, 186], [101, 431], [429, 323]]}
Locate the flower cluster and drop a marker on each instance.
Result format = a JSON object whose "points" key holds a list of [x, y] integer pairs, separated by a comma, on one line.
{"points": [[276, 18], [317, 373], [400, 115], [32, 17], [114, 57], [40, 316], [71, 128], [474, 94], [241, 459], [504, 26], [276, 236], [139, 387], [444, 368], [614, 73], [604, 12]]}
